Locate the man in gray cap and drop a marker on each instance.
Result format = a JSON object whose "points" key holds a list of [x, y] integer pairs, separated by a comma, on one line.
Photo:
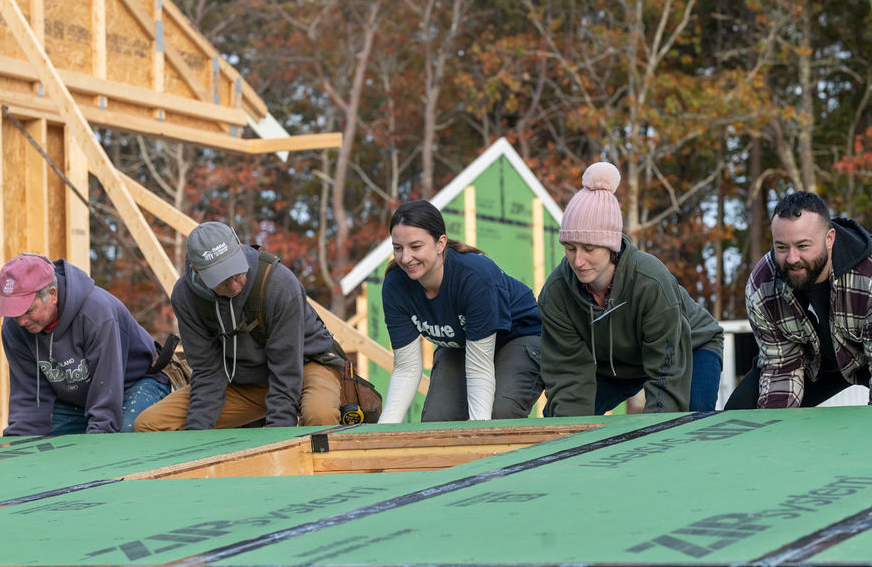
{"points": [[240, 376]]}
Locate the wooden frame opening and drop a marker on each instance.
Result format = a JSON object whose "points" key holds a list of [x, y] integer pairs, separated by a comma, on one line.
{"points": [[348, 452]]}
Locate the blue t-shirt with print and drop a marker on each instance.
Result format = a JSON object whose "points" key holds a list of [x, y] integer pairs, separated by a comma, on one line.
{"points": [[475, 300]]}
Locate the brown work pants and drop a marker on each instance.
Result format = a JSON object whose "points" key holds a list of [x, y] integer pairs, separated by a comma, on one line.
{"points": [[246, 403]]}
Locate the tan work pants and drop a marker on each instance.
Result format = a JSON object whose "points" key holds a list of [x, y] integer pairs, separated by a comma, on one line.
{"points": [[245, 403]]}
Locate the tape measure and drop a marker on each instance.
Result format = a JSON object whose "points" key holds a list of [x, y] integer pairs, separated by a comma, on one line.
{"points": [[351, 414]]}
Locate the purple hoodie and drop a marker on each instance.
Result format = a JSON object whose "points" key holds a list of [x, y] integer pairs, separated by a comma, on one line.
{"points": [[95, 352]]}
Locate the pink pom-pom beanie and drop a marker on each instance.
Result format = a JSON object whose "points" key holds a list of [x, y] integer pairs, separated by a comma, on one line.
{"points": [[593, 215]]}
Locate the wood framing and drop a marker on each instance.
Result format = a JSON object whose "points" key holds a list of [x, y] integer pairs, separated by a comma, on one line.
{"points": [[83, 136], [371, 452], [128, 65], [469, 232], [134, 65]]}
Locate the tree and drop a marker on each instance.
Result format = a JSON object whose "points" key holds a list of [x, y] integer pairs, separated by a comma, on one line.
{"points": [[439, 29]]}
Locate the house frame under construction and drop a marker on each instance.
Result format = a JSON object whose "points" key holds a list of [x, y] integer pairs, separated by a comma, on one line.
{"points": [[67, 66]]}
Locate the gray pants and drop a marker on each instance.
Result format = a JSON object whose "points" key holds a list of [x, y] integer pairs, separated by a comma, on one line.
{"points": [[518, 382]]}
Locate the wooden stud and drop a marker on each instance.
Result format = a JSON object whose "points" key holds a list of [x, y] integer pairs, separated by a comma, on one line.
{"points": [[78, 214], [158, 80], [362, 328], [185, 134], [24, 104], [98, 39], [294, 143], [37, 20], [177, 220], [56, 193], [15, 196], [82, 83], [284, 457], [539, 271], [538, 246], [36, 191], [470, 235], [465, 436]]}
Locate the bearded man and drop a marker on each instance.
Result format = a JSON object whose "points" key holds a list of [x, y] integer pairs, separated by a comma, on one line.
{"points": [[809, 303]]}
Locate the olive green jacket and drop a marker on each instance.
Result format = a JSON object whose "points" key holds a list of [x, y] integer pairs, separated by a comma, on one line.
{"points": [[649, 327]]}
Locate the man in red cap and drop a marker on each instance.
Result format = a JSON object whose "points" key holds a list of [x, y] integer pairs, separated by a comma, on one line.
{"points": [[78, 361]]}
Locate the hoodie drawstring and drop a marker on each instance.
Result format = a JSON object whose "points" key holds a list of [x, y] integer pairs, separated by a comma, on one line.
{"points": [[611, 332], [36, 340], [224, 339], [592, 333], [50, 353], [611, 350]]}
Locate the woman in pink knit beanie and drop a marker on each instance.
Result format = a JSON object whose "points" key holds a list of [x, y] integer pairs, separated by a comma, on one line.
{"points": [[615, 321]]}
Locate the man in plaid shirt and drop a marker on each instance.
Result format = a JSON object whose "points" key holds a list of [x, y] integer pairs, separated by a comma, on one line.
{"points": [[809, 303]]}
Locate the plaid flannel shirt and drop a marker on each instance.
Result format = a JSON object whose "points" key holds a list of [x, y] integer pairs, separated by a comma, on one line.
{"points": [[789, 345]]}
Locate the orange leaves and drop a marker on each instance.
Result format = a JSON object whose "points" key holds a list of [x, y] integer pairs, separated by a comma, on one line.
{"points": [[861, 161]]}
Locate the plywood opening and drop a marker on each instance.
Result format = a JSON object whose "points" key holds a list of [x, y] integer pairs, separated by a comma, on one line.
{"points": [[347, 452]]}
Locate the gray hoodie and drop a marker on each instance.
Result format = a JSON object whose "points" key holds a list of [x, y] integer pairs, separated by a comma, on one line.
{"points": [[293, 331]]}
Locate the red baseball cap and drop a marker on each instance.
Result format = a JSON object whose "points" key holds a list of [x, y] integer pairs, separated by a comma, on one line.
{"points": [[20, 279]]}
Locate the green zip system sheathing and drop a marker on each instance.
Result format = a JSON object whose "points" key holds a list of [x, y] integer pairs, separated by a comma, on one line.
{"points": [[769, 487]]}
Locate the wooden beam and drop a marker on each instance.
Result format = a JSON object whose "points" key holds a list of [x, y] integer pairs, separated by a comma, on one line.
{"points": [[167, 130], [293, 143], [470, 236], [98, 39], [34, 107], [81, 132], [78, 214], [37, 19], [538, 246], [158, 68], [3, 200], [539, 272], [176, 219], [362, 327], [281, 457], [84, 84], [36, 190], [467, 436]]}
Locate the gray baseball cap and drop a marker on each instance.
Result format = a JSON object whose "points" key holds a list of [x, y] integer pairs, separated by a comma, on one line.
{"points": [[215, 251]]}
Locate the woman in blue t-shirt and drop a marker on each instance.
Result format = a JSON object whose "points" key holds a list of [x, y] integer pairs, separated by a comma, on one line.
{"points": [[485, 324]]}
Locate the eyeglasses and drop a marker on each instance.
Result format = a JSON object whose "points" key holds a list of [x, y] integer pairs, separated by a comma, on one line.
{"points": [[238, 278]]}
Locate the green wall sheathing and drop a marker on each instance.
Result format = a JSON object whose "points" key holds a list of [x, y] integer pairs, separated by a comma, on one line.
{"points": [[772, 487], [504, 231]]}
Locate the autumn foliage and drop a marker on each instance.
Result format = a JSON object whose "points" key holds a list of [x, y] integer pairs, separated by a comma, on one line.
{"points": [[711, 110]]}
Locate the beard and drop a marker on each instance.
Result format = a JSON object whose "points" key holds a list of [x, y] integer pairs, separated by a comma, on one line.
{"points": [[813, 271]]}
